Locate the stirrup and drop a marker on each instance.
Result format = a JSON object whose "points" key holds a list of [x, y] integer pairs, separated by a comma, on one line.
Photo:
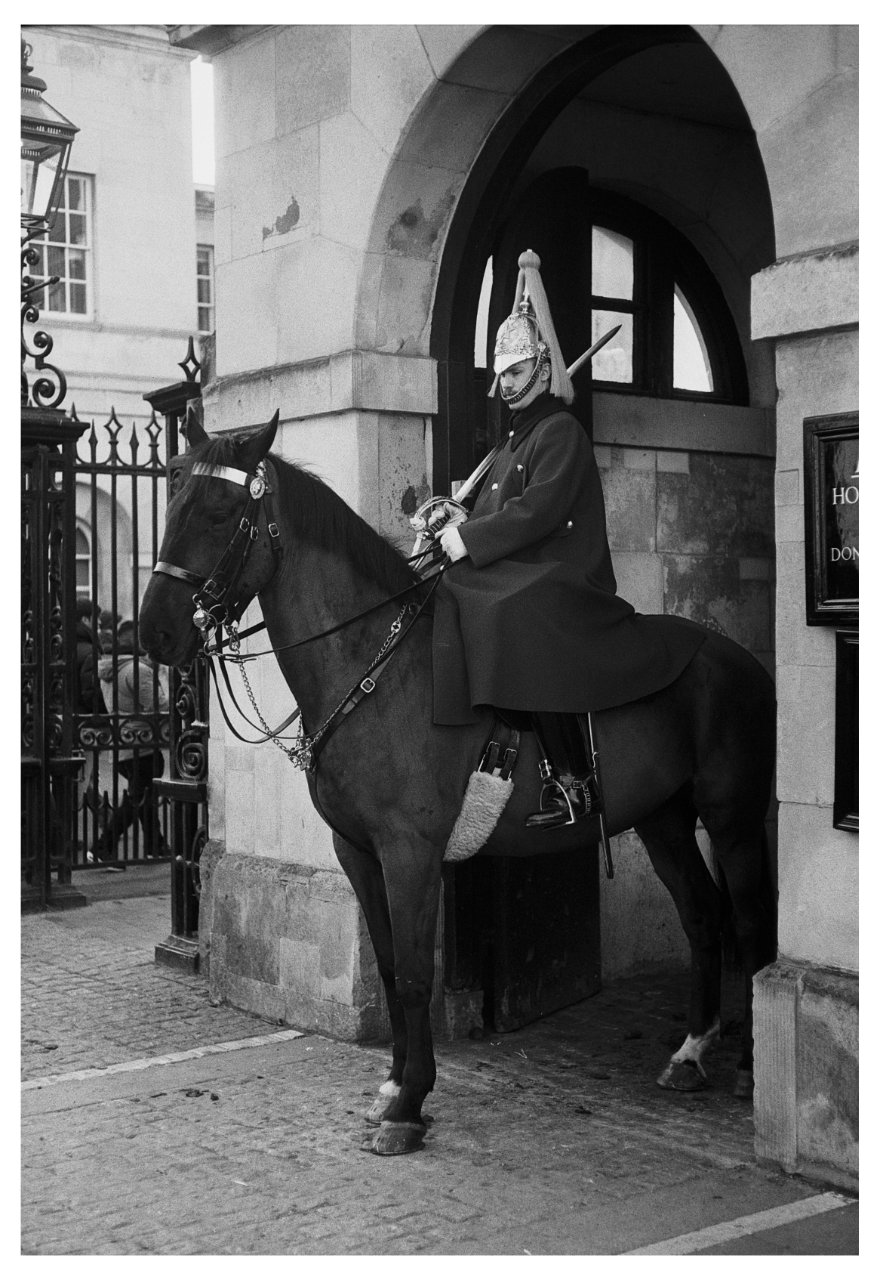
{"points": [[565, 800]]}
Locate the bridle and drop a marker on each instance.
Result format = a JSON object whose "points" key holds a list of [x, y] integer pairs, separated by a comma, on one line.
{"points": [[225, 609], [220, 583]]}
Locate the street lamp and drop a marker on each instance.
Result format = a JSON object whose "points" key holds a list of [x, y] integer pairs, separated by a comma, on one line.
{"points": [[46, 139]]}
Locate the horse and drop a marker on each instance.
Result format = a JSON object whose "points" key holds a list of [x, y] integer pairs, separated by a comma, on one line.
{"points": [[389, 782]]}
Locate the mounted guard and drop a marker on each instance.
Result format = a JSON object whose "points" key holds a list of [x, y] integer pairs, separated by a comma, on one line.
{"points": [[527, 617]]}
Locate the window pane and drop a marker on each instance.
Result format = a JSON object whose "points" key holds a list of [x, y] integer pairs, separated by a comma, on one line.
{"points": [[612, 264], [691, 368], [76, 193], [78, 299], [77, 224], [55, 300], [77, 264], [56, 261], [614, 363]]}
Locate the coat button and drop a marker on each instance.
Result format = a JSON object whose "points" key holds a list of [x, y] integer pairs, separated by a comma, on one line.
{"points": [[494, 486], [510, 435], [520, 467], [569, 524]]}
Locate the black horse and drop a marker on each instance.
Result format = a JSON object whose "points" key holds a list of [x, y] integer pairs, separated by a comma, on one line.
{"points": [[390, 783]]}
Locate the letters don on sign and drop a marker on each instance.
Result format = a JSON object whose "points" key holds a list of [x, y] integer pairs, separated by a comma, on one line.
{"points": [[831, 519]]}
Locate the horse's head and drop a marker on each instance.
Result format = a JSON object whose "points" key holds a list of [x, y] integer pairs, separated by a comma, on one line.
{"points": [[213, 520]]}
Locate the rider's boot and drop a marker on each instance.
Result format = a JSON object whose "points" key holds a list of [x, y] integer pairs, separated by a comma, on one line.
{"points": [[565, 799]]}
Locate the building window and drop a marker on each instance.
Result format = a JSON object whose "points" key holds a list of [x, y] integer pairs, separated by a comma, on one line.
{"points": [[677, 335], [205, 286], [65, 251], [83, 564]]}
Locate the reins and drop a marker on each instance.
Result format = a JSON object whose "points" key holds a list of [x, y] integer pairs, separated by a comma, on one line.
{"points": [[220, 584]]}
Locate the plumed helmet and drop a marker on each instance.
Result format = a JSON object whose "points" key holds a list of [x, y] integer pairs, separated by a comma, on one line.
{"points": [[528, 332]]}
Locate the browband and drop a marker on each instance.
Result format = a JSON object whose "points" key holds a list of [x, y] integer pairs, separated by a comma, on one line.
{"points": [[222, 473]]}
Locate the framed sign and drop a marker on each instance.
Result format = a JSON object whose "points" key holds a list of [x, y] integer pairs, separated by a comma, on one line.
{"points": [[846, 733], [831, 519]]}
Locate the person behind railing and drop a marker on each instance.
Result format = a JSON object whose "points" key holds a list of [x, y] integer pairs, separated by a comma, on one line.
{"points": [[132, 689]]}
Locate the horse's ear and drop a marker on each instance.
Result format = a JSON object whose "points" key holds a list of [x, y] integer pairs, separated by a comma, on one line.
{"points": [[254, 449], [194, 426]]}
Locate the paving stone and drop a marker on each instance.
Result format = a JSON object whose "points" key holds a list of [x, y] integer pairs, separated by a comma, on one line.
{"points": [[548, 1140]]}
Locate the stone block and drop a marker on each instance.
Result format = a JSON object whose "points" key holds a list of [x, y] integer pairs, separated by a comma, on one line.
{"points": [[630, 508], [415, 210], [788, 488], [290, 943], [674, 460], [820, 134], [402, 476], [273, 193], [809, 292], [805, 772], [723, 506], [806, 1071], [495, 58], [709, 590], [313, 74], [774, 68], [390, 72], [796, 643], [682, 425], [639, 580], [818, 888], [353, 167], [244, 89], [451, 127], [828, 1072], [404, 306]]}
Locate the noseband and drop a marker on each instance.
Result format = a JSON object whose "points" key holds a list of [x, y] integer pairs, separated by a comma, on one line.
{"points": [[212, 597]]}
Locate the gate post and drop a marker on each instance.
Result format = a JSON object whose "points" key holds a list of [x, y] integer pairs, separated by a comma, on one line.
{"points": [[49, 766], [186, 788]]}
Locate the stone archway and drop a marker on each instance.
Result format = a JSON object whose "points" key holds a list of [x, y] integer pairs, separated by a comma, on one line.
{"points": [[433, 229]]}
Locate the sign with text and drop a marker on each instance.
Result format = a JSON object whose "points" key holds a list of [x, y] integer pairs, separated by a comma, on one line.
{"points": [[831, 519]]}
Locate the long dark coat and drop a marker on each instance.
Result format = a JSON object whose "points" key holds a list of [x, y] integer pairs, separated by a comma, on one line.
{"points": [[530, 619]]}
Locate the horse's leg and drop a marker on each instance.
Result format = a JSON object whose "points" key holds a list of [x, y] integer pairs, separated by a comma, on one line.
{"points": [[365, 874], [739, 842], [669, 837], [412, 881]]}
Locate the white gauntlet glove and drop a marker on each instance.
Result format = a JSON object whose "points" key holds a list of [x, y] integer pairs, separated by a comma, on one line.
{"points": [[453, 544]]}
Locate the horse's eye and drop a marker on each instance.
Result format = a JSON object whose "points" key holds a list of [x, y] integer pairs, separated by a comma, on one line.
{"points": [[175, 480]]}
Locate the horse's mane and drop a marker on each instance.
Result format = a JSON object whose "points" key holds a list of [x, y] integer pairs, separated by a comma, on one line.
{"points": [[321, 517]]}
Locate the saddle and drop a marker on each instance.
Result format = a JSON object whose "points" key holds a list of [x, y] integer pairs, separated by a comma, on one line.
{"points": [[569, 770]]}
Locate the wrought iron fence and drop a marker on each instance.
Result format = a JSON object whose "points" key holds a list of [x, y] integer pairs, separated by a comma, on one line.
{"points": [[122, 712]]}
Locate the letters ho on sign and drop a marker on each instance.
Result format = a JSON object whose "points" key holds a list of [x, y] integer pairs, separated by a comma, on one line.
{"points": [[831, 519]]}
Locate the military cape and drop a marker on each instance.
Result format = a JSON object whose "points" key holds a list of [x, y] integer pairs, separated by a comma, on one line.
{"points": [[530, 620]]}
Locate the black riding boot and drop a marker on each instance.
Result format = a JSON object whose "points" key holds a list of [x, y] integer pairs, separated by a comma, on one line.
{"points": [[565, 796]]}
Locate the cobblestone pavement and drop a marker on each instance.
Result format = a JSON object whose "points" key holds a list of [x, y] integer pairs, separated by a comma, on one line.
{"points": [[547, 1141]]}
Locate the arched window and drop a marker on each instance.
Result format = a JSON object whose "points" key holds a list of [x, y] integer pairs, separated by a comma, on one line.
{"points": [[623, 265], [677, 336]]}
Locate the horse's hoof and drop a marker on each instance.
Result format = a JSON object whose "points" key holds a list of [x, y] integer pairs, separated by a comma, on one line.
{"points": [[397, 1138], [745, 1085], [378, 1111], [684, 1077]]}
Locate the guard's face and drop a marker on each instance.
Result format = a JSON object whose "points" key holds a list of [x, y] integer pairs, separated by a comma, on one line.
{"points": [[512, 381]]}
